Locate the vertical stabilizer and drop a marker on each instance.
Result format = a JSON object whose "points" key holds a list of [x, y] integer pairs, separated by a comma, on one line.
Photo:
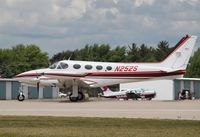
{"points": [[106, 91], [179, 57]]}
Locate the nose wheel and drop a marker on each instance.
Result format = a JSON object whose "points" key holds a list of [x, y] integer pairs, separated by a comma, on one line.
{"points": [[20, 97]]}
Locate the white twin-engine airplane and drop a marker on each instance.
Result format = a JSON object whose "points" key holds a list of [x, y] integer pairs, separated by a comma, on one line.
{"points": [[76, 75]]}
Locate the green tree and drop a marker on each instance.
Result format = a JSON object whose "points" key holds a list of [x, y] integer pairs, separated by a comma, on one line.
{"points": [[21, 58], [104, 53], [62, 55], [5, 71], [150, 56], [132, 53], [146, 54], [162, 51], [193, 69], [93, 52], [142, 53], [117, 54]]}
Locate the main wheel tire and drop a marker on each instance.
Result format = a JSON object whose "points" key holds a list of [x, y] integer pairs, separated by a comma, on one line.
{"points": [[149, 98], [80, 96], [73, 99], [21, 97]]}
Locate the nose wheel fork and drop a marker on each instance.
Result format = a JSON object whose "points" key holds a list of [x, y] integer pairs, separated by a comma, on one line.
{"points": [[21, 96]]}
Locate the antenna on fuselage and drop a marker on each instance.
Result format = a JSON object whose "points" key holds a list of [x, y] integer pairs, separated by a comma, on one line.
{"points": [[70, 56]]}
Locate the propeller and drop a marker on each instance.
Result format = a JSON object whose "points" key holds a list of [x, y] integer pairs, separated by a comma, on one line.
{"points": [[38, 83], [38, 87]]}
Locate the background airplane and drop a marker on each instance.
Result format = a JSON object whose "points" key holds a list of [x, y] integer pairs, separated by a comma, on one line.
{"points": [[75, 76], [107, 93], [133, 93]]}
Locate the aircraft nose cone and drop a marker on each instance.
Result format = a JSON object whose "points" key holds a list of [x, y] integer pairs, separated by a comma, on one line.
{"points": [[32, 73], [26, 74]]}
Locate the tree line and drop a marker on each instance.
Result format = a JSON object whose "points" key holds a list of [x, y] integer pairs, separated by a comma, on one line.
{"points": [[104, 53], [28, 57], [21, 58]]}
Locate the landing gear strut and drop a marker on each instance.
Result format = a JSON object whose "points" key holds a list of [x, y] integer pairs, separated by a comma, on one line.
{"points": [[76, 96], [21, 96]]}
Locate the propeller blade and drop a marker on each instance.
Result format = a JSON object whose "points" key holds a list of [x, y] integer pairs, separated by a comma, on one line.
{"points": [[38, 87]]}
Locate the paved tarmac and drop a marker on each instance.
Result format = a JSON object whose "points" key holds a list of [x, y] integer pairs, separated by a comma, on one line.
{"points": [[187, 109]]}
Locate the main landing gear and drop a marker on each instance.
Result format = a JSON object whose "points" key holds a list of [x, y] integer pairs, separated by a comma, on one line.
{"points": [[75, 95], [79, 98]]}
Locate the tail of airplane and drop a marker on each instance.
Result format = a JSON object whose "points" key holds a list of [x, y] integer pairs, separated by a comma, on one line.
{"points": [[107, 93], [179, 57], [105, 89]]}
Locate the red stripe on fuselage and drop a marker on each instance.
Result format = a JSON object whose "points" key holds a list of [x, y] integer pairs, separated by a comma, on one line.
{"points": [[123, 74], [111, 74], [137, 74]]}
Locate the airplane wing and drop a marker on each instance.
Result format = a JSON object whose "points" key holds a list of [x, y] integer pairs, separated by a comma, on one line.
{"points": [[68, 78], [87, 81], [42, 80]]}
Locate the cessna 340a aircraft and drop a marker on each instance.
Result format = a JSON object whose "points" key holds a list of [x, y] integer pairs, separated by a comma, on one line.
{"points": [[81, 74]]}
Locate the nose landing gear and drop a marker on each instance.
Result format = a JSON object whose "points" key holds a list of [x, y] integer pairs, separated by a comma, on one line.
{"points": [[21, 96]]}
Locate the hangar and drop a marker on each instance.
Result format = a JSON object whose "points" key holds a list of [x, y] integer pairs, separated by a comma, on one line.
{"points": [[168, 89], [9, 89], [165, 89]]}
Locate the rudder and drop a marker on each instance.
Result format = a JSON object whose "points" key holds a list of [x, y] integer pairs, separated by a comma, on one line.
{"points": [[179, 57]]}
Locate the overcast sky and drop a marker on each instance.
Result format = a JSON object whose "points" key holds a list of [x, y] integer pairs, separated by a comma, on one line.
{"points": [[57, 25]]}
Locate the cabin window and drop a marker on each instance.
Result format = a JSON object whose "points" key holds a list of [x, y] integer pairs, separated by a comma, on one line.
{"points": [[109, 68], [59, 67], [77, 66], [88, 67], [63, 65], [99, 67]]}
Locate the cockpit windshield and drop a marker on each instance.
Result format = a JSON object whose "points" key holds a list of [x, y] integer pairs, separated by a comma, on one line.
{"points": [[62, 65], [59, 65], [53, 66]]}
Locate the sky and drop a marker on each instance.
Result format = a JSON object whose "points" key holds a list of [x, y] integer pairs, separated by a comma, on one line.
{"points": [[59, 25]]}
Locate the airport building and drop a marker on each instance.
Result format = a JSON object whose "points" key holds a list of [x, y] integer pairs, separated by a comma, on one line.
{"points": [[165, 89], [168, 89], [9, 89]]}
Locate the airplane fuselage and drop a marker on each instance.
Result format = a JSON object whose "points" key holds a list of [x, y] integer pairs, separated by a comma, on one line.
{"points": [[98, 74]]}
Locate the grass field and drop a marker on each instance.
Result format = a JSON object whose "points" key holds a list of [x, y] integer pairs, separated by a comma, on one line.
{"points": [[21, 126]]}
